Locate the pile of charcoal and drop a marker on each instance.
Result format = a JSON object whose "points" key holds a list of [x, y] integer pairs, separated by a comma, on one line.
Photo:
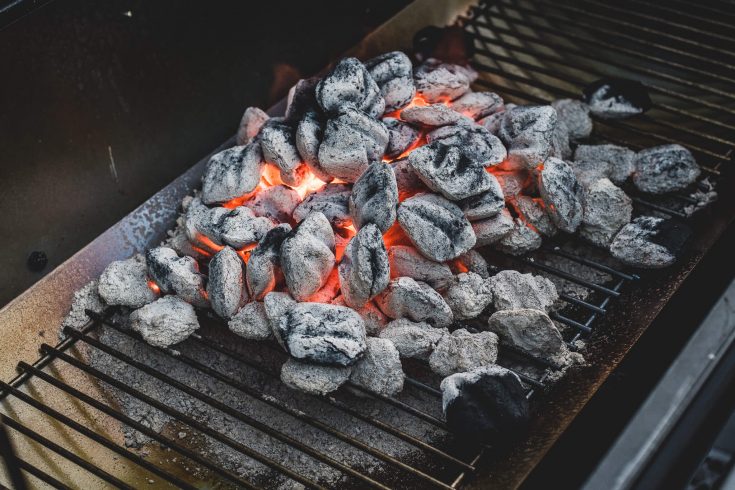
{"points": [[346, 231]]}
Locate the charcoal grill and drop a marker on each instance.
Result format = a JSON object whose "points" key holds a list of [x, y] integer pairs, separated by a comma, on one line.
{"points": [[66, 431]]}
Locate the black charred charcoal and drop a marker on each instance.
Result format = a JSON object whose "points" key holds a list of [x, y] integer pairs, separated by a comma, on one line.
{"points": [[649, 242], [364, 271], [261, 269], [37, 261], [617, 98], [665, 168], [374, 197], [350, 85]]}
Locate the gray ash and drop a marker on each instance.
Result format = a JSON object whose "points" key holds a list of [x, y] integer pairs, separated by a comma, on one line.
{"points": [[332, 200], [650, 242], [478, 144], [350, 85], [664, 169], [402, 136], [374, 197]]}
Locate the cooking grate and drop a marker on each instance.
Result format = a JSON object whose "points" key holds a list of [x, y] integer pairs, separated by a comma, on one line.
{"points": [[524, 55]]}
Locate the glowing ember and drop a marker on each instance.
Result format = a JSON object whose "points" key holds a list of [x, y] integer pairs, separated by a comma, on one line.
{"points": [[154, 287]]}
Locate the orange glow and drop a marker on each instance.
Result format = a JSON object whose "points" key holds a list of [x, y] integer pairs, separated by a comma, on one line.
{"points": [[309, 184], [209, 245], [521, 216], [342, 238], [244, 252], [396, 236], [329, 291], [459, 266], [154, 287]]}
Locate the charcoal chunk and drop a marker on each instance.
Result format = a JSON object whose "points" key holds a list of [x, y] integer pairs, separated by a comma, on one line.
{"points": [[379, 370], [478, 144], [530, 331], [534, 213], [562, 194], [252, 120], [393, 72], [407, 180], [431, 115], [486, 405], [436, 227], [351, 141], [165, 322], [264, 259], [446, 169], [251, 322], [406, 298], [401, 136], [520, 240], [412, 339], [276, 203], [301, 99], [332, 200], [617, 98], [514, 291], [649, 242], [374, 197], [468, 295], [463, 351], [616, 162], [125, 283], [232, 173], [202, 221], [309, 135], [528, 132], [350, 85], [278, 143], [492, 230], [606, 209], [240, 227], [176, 275], [375, 320], [364, 271], [560, 141], [226, 283], [313, 378], [276, 304], [576, 117], [665, 168], [439, 82], [408, 262], [323, 334], [471, 261], [478, 104], [307, 256], [486, 205]]}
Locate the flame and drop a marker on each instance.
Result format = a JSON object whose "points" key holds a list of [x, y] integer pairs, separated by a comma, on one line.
{"points": [[309, 184], [154, 287], [459, 266], [210, 246], [245, 251], [342, 238], [396, 236]]}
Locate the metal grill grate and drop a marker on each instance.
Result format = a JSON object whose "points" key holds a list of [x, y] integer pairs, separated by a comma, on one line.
{"points": [[523, 55]]}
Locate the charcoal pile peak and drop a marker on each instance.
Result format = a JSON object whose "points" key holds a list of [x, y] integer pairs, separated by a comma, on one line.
{"points": [[346, 231]]}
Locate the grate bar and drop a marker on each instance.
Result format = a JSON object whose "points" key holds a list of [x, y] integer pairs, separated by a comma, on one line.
{"points": [[568, 277], [136, 425], [458, 481], [41, 475], [661, 209], [686, 14], [95, 436], [7, 452], [700, 6], [582, 303], [568, 321], [590, 263]]}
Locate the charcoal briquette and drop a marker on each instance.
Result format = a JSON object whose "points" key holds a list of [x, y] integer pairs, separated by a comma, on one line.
{"points": [[413, 339], [232, 173], [528, 132], [618, 162], [513, 291], [165, 322], [665, 168], [606, 210], [276, 203], [309, 135], [125, 283], [332, 200], [491, 230], [485, 205], [251, 322], [252, 120], [264, 259], [520, 240], [278, 142], [401, 136], [650, 242], [393, 72], [432, 115], [176, 275], [379, 370], [350, 85], [417, 301], [439, 82], [226, 283], [364, 271], [406, 261], [529, 330], [478, 104], [562, 194], [468, 295], [476, 143], [315, 379], [576, 116], [374, 197], [463, 351]]}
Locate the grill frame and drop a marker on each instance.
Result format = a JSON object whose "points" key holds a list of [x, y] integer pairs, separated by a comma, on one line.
{"points": [[624, 321]]}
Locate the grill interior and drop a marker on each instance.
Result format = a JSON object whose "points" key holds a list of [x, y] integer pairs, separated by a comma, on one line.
{"points": [[528, 52]]}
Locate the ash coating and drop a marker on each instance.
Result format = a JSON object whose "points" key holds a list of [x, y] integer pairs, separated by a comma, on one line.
{"points": [[364, 271], [463, 351], [125, 283], [401, 135], [576, 117], [374, 197], [413, 339], [406, 261], [380, 370], [330, 200], [407, 298], [649, 242], [664, 169], [313, 378], [614, 162]]}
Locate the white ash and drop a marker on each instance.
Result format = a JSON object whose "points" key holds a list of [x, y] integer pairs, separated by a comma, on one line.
{"points": [[323, 334], [407, 298], [278, 143], [493, 121], [576, 117], [606, 209], [649, 242], [307, 256], [276, 304], [413, 339], [251, 322], [703, 196], [665, 168], [520, 240], [463, 351], [562, 194], [309, 135], [468, 295], [351, 141], [436, 226], [437, 81], [240, 227], [492, 230], [473, 261], [620, 161], [375, 320], [374, 197], [448, 170], [177, 240], [86, 298], [401, 136], [528, 131], [407, 180], [165, 322], [364, 271], [530, 331], [379, 370], [125, 283], [176, 275], [232, 173], [534, 212], [350, 86], [478, 104], [262, 266], [301, 99], [588, 172], [485, 205], [250, 124], [277, 203], [560, 141], [393, 72], [406, 261], [200, 220], [331, 200], [513, 291], [432, 115], [226, 283], [483, 148], [313, 378], [516, 182], [606, 102]]}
